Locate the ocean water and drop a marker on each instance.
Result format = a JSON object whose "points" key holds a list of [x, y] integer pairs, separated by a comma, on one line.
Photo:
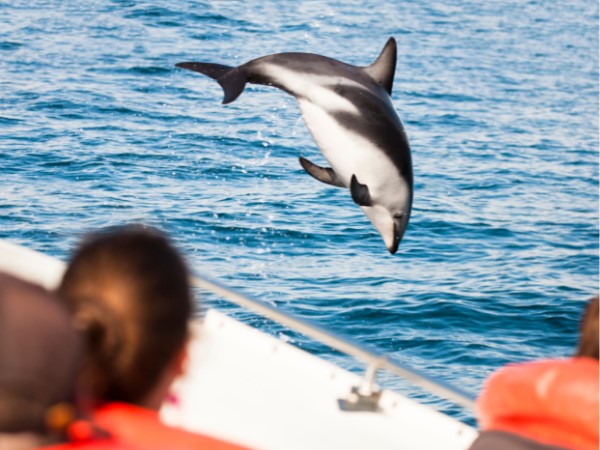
{"points": [[500, 103]]}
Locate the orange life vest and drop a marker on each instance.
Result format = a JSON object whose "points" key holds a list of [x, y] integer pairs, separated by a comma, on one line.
{"points": [[121, 426], [84, 435], [142, 428], [554, 402]]}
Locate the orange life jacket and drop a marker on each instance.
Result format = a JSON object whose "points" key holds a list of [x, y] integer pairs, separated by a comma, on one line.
{"points": [[121, 426], [142, 428], [84, 435], [552, 401]]}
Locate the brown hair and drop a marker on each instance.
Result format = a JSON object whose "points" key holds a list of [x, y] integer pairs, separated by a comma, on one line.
{"points": [[129, 291], [588, 340]]}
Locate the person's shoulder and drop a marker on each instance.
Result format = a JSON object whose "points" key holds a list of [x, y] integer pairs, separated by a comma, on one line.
{"points": [[561, 369], [529, 383], [141, 426]]}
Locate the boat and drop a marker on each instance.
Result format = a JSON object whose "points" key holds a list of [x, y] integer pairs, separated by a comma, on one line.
{"points": [[249, 387]]}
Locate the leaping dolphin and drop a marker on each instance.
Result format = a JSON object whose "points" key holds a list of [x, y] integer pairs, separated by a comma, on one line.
{"points": [[349, 112]]}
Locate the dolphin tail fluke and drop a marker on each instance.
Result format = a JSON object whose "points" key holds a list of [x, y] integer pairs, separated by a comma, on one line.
{"points": [[323, 174], [232, 79], [384, 67]]}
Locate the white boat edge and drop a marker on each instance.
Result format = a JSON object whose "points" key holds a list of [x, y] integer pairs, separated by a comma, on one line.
{"points": [[248, 387]]}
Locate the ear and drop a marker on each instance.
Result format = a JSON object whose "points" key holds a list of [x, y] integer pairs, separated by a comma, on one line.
{"points": [[181, 359], [171, 372]]}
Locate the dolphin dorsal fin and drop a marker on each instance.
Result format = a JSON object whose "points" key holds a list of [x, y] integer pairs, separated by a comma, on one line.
{"points": [[384, 67]]}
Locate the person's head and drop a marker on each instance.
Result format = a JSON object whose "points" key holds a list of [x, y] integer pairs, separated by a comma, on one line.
{"points": [[129, 291], [588, 339], [39, 362]]}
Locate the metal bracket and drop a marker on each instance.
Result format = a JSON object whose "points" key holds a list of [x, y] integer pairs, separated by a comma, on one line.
{"points": [[365, 397], [357, 402]]}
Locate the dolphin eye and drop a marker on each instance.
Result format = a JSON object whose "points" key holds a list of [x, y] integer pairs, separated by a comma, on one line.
{"points": [[398, 216]]}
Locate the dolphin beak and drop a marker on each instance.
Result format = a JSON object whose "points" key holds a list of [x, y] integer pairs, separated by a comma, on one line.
{"points": [[399, 229], [390, 229], [396, 237]]}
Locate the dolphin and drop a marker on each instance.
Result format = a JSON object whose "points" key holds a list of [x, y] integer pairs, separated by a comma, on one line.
{"points": [[349, 112]]}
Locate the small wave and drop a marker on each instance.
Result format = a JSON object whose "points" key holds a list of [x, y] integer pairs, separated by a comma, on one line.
{"points": [[10, 46], [150, 70], [9, 120]]}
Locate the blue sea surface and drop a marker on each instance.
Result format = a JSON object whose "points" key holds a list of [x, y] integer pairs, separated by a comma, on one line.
{"points": [[500, 103]]}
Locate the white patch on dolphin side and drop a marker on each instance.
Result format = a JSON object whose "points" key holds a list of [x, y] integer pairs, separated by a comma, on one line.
{"points": [[313, 88]]}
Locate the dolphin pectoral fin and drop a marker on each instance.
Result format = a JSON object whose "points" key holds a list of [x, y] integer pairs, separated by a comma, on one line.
{"points": [[323, 174], [384, 67], [232, 79], [360, 193]]}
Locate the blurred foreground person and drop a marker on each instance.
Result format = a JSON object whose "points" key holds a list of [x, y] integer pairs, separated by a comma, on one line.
{"points": [[41, 401], [40, 354], [547, 404], [128, 289], [39, 358]]}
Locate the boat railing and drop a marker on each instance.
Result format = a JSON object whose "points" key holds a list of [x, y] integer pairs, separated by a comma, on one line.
{"points": [[365, 396]]}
